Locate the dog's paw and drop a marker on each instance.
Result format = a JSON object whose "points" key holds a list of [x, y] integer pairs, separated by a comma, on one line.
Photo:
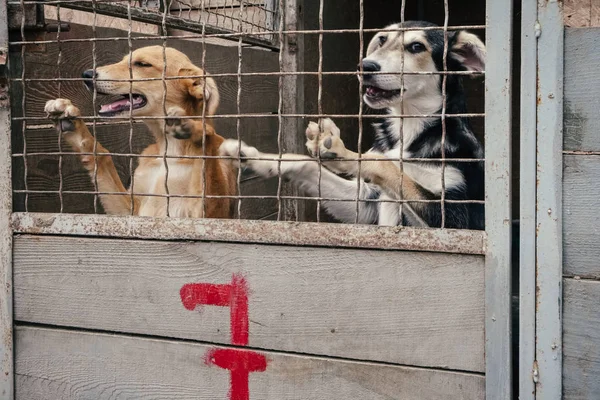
{"points": [[323, 139], [238, 151], [244, 156], [62, 112], [177, 127]]}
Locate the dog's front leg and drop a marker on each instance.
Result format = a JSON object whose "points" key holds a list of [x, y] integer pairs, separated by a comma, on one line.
{"points": [[324, 141], [65, 117], [303, 173]]}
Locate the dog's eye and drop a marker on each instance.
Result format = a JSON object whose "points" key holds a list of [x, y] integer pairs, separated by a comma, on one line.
{"points": [[382, 40], [416, 47], [142, 64]]}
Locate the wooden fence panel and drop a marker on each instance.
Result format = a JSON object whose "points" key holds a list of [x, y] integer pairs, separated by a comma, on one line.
{"points": [[581, 340], [581, 123], [58, 364], [581, 218], [420, 309]]}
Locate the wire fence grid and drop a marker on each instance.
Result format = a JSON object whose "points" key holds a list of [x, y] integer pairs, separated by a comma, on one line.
{"points": [[240, 26]]}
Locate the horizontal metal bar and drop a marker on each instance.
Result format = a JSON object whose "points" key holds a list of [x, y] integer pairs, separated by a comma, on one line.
{"points": [[245, 74], [246, 197], [204, 157], [236, 35], [270, 115], [245, 231]]}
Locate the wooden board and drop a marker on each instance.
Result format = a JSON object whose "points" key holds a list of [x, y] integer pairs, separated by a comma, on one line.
{"points": [[581, 125], [259, 95], [582, 13], [581, 340], [410, 308], [60, 364], [580, 215]]}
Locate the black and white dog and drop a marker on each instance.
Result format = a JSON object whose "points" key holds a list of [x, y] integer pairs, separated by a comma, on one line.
{"points": [[384, 179]]}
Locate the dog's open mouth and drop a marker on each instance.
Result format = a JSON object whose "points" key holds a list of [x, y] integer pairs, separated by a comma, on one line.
{"points": [[124, 103], [375, 93]]}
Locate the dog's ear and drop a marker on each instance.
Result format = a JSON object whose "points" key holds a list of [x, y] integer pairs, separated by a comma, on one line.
{"points": [[469, 51], [203, 89]]}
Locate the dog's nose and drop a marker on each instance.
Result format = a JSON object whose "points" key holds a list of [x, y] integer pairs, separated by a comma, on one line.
{"points": [[369, 66], [88, 75]]}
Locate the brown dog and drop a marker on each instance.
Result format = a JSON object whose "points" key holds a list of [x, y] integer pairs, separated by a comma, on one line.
{"points": [[181, 137]]}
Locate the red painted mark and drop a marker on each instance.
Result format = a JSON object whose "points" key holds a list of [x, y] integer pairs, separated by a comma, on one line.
{"points": [[233, 295], [240, 362]]}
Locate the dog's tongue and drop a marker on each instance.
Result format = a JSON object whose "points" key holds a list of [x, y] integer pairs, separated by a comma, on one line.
{"points": [[115, 106], [120, 105], [373, 91]]}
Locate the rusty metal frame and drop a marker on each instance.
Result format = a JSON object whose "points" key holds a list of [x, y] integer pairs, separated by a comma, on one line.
{"points": [[498, 213], [6, 235], [249, 231]]}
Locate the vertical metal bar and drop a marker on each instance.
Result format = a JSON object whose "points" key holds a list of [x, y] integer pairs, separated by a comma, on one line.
{"points": [[549, 198], [498, 130], [6, 236], [23, 108], [527, 201], [444, 98], [361, 50], [59, 94], [129, 67], [320, 107], [293, 96], [280, 102], [203, 65], [94, 102], [238, 110], [401, 136]]}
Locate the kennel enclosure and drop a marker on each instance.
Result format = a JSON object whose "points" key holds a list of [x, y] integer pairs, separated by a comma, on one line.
{"points": [[100, 306]]}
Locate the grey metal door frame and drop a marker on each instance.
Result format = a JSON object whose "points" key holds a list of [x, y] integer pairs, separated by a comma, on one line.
{"points": [[540, 336]]}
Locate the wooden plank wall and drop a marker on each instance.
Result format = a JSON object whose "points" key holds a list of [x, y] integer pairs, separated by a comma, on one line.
{"points": [[581, 194], [259, 95], [333, 323]]}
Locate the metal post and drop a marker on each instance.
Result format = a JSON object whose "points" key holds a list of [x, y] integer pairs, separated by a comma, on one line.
{"points": [[498, 130], [293, 98], [549, 199], [6, 307], [527, 201]]}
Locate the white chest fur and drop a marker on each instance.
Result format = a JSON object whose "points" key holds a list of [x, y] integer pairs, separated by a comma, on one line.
{"points": [[182, 179]]}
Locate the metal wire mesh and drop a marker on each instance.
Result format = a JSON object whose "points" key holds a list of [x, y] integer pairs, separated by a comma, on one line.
{"points": [[233, 41]]}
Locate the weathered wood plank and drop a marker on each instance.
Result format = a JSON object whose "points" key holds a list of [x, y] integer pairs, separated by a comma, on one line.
{"points": [[60, 364], [578, 13], [420, 309], [581, 340], [581, 123], [581, 219]]}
